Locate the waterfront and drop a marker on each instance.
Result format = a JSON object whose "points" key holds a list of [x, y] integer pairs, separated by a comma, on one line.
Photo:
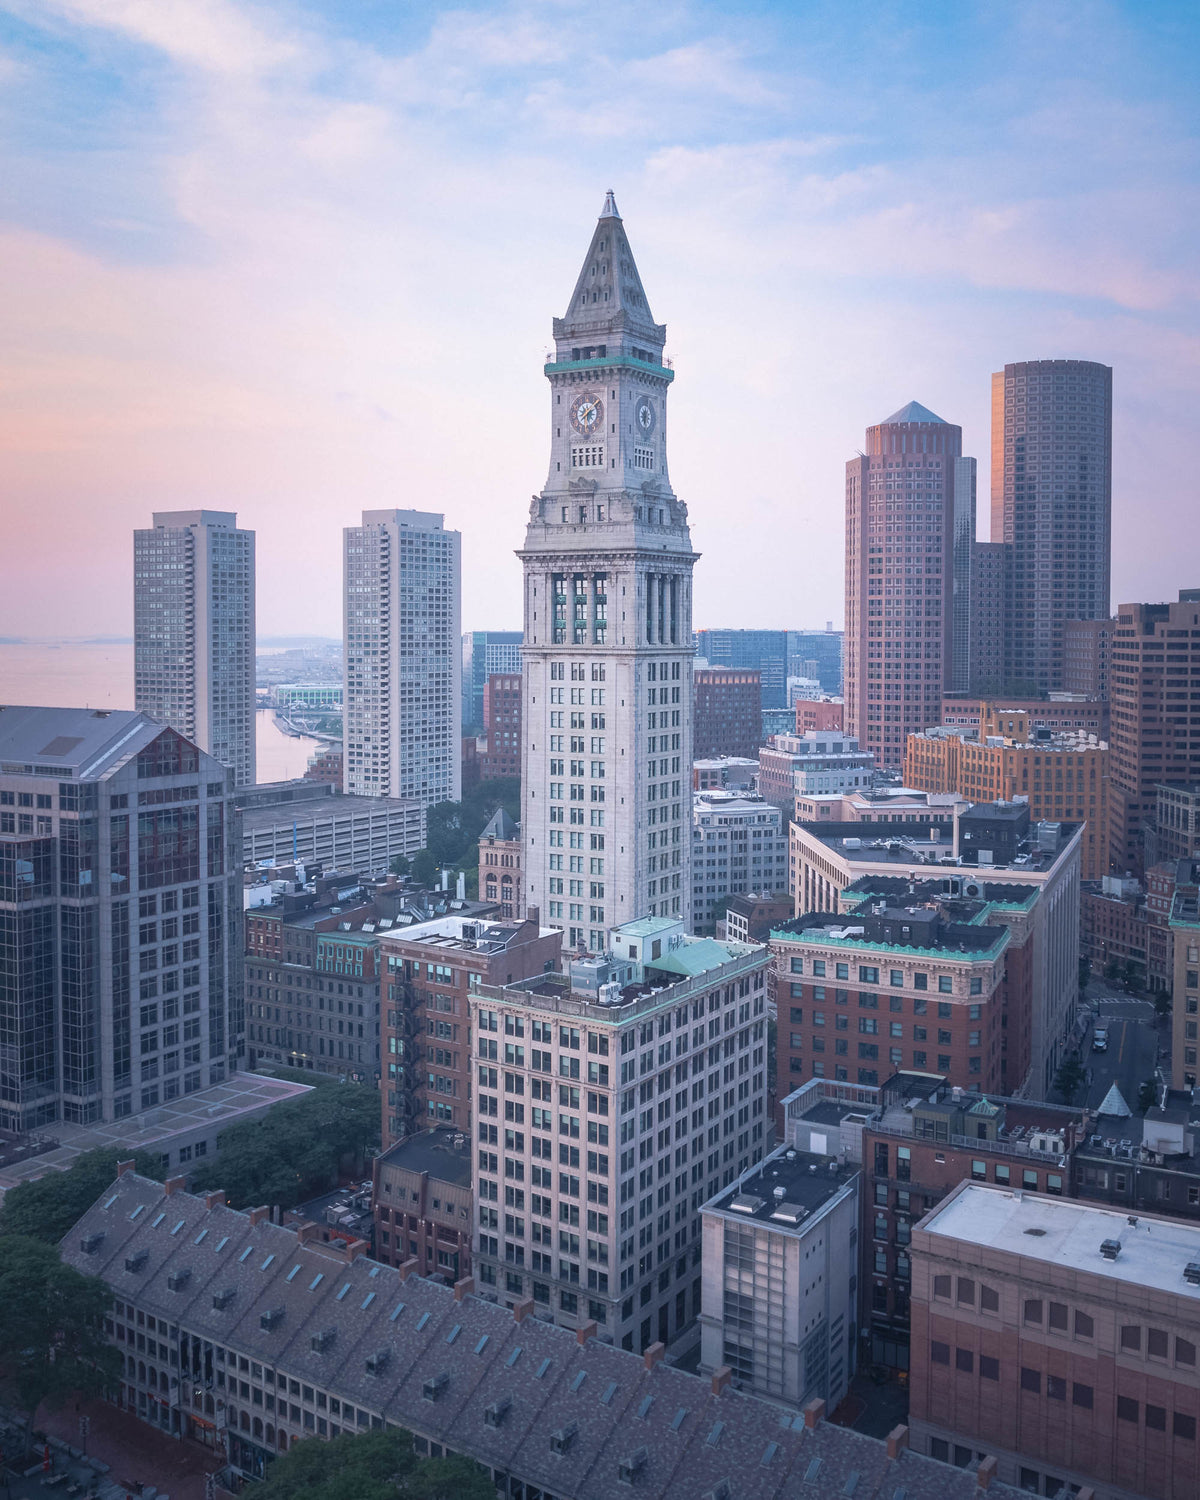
{"points": [[74, 674]]}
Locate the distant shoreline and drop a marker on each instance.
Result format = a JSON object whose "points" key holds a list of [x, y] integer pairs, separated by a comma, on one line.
{"points": [[274, 642]]}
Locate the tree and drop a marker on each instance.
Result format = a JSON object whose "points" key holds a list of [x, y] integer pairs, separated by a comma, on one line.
{"points": [[296, 1149], [452, 829], [51, 1328], [400, 865], [1147, 1096], [1069, 1078], [371, 1466], [46, 1209]]}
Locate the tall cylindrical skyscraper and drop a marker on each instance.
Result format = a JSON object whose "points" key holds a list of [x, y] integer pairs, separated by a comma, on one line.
{"points": [[1052, 504], [900, 555]]}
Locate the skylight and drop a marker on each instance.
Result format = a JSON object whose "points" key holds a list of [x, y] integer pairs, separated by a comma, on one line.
{"points": [[155, 1222]]}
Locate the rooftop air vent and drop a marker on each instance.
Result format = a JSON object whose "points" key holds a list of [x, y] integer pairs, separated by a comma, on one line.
{"points": [[435, 1386], [177, 1280], [720, 1491], [1110, 1249], [630, 1467], [90, 1243], [137, 1260], [561, 1440], [378, 1361], [1191, 1273], [223, 1298], [271, 1319], [495, 1413], [323, 1340]]}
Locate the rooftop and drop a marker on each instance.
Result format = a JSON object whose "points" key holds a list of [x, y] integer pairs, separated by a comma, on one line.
{"points": [[913, 412], [502, 1388], [918, 929], [83, 742], [238, 1098], [948, 890], [785, 1189], [320, 807], [1068, 1233], [444, 1154], [468, 934], [871, 842]]}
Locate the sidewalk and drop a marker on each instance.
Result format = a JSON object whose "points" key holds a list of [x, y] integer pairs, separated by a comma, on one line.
{"points": [[135, 1452]]}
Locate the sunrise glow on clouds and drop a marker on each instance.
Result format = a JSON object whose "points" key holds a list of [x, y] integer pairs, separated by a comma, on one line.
{"points": [[298, 260]]}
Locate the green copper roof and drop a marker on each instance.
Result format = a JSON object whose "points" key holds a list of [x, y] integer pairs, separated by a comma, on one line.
{"points": [[698, 957], [913, 412]]}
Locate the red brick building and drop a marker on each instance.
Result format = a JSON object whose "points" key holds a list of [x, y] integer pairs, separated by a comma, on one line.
{"points": [[430, 971], [1061, 1337], [916, 986], [500, 865], [1121, 923], [423, 1204], [819, 714], [501, 726], [726, 712]]}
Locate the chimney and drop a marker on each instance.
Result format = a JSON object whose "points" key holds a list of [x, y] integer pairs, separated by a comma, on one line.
{"points": [[897, 1441], [408, 1268], [174, 1185], [584, 1332], [257, 1215], [215, 1199], [813, 1413], [721, 1378], [307, 1232], [522, 1309], [653, 1354], [354, 1249], [463, 1287], [986, 1472], [125, 1166]]}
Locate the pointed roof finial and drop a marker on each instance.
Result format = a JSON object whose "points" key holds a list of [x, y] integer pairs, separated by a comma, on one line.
{"points": [[610, 206]]}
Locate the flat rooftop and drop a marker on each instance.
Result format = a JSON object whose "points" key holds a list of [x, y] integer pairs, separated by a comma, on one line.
{"points": [[882, 843], [444, 1154], [239, 1098], [1068, 1234], [320, 808], [465, 934], [829, 1111], [785, 1189], [955, 939]]}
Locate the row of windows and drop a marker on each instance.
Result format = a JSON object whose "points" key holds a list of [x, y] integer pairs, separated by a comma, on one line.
{"points": [[869, 974]]}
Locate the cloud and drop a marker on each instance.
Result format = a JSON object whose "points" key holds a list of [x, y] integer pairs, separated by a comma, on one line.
{"points": [[359, 243]]}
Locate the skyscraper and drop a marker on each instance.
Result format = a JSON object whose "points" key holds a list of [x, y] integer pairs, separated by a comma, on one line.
{"points": [[1052, 503], [1154, 718], [120, 917], [403, 657], [901, 512], [485, 652], [963, 575], [607, 659], [193, 630]]}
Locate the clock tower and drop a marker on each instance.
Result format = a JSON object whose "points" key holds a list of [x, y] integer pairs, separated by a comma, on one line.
{"points": [[607, 657]]}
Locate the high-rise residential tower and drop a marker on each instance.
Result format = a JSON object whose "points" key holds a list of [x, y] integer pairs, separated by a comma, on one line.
{"points": [[1052, 503], [607, 658], [901, 516], [193, 629], [403, 657]]}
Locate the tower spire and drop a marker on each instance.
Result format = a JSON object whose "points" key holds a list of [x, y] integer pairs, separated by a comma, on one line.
{"points": [[609, 211]]}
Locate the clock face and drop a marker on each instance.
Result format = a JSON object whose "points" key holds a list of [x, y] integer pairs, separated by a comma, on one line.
{"points": [[587, 414], [644, 418]]}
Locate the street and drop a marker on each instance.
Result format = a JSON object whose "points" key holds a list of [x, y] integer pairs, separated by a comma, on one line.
{"points": [[1131, 1056]]}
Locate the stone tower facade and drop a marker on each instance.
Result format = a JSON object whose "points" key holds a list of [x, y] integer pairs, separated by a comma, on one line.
{"points": [[607, 658]]}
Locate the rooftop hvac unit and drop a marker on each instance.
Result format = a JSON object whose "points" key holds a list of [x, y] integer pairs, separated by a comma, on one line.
{"points": [[561, 1440], [1110, 1249], [630, 1467], [377, 1361], [495, 1413], [1191, 1273], [271, 1319], [90, 1243], [223, 1298], [323, 1340], [435, 1386], [177, 1280], [137, 1260]]}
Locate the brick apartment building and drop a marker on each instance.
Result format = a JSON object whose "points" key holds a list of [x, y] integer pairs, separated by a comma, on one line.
{"points": [[1029, 874], [1061, 1337], [1123, 923], [900, 983], [500, 865], [431, 971], [1060, 712], [423, 1204], [727, 712], [1155, 706], [921, 1139], [820, 715], [1062, 775], [501, 726]]}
